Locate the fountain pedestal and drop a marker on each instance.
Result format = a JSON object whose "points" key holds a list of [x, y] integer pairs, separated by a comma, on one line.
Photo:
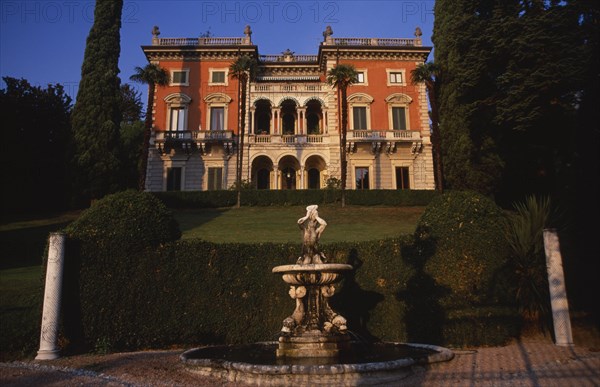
{"points": [[313, 329]]}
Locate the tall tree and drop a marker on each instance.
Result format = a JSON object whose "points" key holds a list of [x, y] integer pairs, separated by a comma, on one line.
{"points": [[34, 149], [428, 73], [152, 75], [243, 69], [465, 55], [341, 76], [96, 115]]}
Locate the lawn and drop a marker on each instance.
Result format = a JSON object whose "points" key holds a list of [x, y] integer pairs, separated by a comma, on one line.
{"points": [[22, 244], [278, 224]]}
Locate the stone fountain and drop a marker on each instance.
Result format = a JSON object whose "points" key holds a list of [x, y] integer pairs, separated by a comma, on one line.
{"points": [[314, 346], [313, 329]]}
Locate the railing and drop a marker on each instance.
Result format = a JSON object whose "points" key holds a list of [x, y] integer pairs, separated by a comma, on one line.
{"points": [[374, 135], [201, 135], [385, 42], [287, 138], [286, 88], [288, 58], [198, 41]]}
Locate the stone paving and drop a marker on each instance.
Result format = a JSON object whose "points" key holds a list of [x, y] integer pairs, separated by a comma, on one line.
{"points": [[532, 361]]}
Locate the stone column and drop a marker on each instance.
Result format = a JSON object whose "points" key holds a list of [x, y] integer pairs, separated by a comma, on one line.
{"points": [[275, 184], [302, 177], [275, 121], [558, 291], [302, 121], [52, 295]]}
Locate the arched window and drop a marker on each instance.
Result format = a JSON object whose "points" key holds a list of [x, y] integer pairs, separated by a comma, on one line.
{"points": [[398, 118], [177, 111], [359, 107], [217, 111]]}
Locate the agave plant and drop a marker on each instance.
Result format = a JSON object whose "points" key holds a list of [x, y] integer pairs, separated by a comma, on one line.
{"points": [[526, 240]]}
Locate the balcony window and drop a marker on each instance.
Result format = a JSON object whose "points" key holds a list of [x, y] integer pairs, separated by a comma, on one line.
{"points": [[177, 120], [180, 78], [217, 118], [359, 118], [215, 179], [174, 179], [399, 118], [362, 177], [176, 117], [402, 178]]}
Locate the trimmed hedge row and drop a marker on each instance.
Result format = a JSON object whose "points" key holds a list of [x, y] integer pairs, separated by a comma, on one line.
{"points": [[216, 199], [124, 297], [192, 292]]}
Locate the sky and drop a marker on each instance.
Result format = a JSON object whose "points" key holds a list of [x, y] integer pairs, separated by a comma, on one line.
{"points": [[44, 41]]}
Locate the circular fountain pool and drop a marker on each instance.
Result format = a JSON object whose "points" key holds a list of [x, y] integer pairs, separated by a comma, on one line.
{"points": [[372, 364]]}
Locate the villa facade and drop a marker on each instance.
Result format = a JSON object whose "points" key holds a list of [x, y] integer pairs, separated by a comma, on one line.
{"points": [[292, 138]]}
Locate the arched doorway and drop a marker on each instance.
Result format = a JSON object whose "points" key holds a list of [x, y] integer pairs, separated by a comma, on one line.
{"points": [[288, 117], [262, 167], [262, 117], [289, 167], [263, 179], [315, 166], [314, 178]]}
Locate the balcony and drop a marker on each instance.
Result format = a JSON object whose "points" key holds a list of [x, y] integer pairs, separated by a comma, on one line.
{"points": [[291, 139], [384, 139], [383, 135], [188, 140]]}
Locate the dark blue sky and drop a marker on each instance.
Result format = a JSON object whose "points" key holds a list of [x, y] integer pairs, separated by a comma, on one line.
{"points": [[44, 41]]}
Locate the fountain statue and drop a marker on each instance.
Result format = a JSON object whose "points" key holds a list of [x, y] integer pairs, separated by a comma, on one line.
{"points": [[314, 341]]}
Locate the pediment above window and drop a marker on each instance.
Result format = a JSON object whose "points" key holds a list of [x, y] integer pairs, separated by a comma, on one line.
{"points": [[360, 98], [217, 98], [178, 99], [398, 98]]}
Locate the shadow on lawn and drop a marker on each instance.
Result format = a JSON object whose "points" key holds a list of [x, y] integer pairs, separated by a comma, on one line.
{"points": [[191, 219], [25, 247]]}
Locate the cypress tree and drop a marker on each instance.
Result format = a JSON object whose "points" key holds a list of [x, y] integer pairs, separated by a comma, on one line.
{"points": [[96, 114], [464, 53]]}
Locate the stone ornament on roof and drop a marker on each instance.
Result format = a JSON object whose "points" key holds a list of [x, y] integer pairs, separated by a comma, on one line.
{"points": [[155, 33], [248, 35], [327, 34], [418, 32]]}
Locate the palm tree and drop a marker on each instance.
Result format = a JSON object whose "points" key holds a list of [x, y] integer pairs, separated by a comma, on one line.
{"points": [[243, 69], [342, 76], [152, 75], [428, 73]]}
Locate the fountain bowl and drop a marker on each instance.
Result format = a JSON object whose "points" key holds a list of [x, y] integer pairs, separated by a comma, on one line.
{"points": [[312, 274], [382, 363]]}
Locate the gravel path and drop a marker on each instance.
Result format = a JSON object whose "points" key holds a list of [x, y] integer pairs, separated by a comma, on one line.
{"points": [[534, 361]]}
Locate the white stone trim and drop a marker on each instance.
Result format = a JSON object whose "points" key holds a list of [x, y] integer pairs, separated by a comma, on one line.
{"points": [[388, 75], [212, 70], [187, 77], [398, 100]]}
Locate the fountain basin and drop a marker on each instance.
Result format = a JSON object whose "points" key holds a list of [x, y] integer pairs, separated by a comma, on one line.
{"points": [[312, 274], [257, 364]]}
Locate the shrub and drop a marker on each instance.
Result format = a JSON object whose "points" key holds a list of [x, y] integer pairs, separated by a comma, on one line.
{"points": [[127, 221], [461, 245]]}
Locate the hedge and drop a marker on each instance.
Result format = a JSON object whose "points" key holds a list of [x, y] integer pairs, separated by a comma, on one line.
{"points": [[194, 292], [188, 293], [250, 197]]}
